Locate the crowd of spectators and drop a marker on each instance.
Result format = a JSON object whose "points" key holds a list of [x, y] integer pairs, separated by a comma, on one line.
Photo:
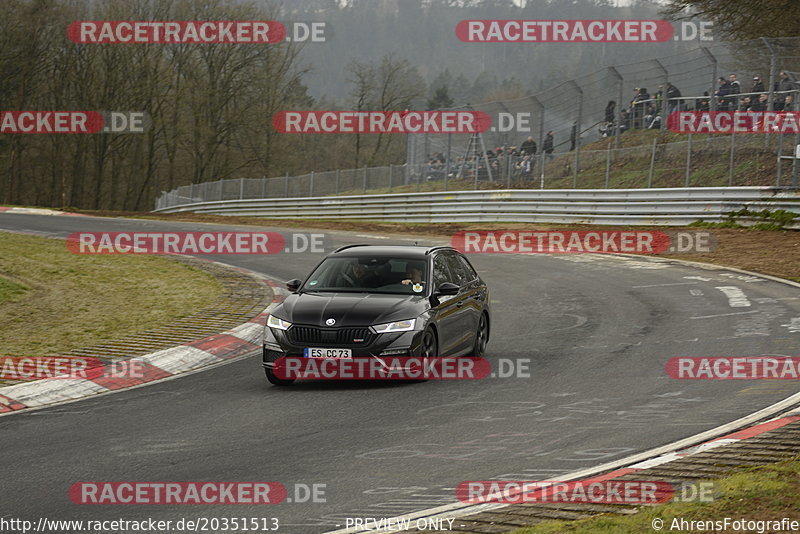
{"points": [[644, 112], [645, 109], [502, 162]]}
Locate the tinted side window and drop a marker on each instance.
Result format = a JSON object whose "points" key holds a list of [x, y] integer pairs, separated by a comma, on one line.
{"points": [[440, 272], [460, 274], [472, 274]]}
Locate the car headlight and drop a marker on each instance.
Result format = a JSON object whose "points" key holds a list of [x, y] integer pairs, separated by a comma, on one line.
{"points": [[280, 324], [397, 326]]}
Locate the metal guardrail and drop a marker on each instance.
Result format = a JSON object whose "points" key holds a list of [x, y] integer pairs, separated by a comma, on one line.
{"points": [[667, 206]]}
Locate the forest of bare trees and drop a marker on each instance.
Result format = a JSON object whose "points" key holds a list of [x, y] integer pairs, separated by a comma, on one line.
{"points": [[211, 105]]}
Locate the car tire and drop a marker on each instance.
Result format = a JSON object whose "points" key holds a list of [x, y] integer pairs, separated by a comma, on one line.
{"points": [[481, 336], [429, 344], [274, 380]]}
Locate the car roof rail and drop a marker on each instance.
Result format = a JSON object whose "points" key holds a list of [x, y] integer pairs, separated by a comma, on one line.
{"points": [[434, 249], [350, 246]]}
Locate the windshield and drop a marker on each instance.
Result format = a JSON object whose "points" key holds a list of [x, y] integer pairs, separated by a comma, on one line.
{"points": [[369, 274]]}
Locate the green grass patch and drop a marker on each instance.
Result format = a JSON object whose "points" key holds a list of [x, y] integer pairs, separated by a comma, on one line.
{"points": [[11, 291], [52, 300], [770, 492]]}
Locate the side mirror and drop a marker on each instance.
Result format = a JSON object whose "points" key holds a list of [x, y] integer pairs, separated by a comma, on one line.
{"points": [[447, 288], [294, 285]]}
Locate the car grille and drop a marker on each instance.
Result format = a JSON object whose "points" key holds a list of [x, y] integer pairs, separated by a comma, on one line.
{"points": [[346, 337]]}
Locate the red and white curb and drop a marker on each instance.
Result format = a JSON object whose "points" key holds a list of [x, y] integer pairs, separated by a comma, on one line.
{"points": [[153, 367], [38, 211], [461, 510]]}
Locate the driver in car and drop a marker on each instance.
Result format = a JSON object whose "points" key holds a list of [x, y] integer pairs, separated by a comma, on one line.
{"points": [[414, 276], [361, 276]]}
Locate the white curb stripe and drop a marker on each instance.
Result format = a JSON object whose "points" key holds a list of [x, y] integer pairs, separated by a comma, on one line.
{"points": [[43, 392]]}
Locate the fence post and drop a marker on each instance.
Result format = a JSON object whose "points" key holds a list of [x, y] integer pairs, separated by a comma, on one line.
{"points": [[263, 187], [733, 153], [221, 187], [241, 188], [391, 171], [794, 161], [620, 95], [541, 137], [652, 164], [338, 176], [365, 179], [663, 124], [447, 159], [773, 71], [311, 185], [577, 128], [688, 160], [779, 169], [286, 186], [608, 163], [712, 102]]}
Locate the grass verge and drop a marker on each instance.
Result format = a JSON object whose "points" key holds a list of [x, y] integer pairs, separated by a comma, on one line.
{"points": [[52, 300], [766, 493]]}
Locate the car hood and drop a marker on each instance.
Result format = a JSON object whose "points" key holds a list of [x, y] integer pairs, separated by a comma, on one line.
{"points": [[350, 309]]}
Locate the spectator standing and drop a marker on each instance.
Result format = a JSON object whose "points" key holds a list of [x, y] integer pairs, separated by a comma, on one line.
{"points": [[673, 98], [607, 127], [784, 85], [639, 106], [624, 121], [723, 102], [736, 88], [610, 107], [573, 136], [528, 146], [548, 145], [758, 85]]}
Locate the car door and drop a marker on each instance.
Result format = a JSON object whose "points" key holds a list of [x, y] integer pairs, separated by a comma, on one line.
{"points": [[469, 304], [447, 309]]}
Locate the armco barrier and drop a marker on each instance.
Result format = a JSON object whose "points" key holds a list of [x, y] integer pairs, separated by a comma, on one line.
{"points": [[668, 206]]}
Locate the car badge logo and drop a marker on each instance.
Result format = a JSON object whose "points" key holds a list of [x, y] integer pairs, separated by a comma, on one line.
{"points": [[330, 322]]}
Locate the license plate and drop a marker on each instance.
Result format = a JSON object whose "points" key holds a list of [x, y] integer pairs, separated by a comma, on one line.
{"points": [[327, 353]]}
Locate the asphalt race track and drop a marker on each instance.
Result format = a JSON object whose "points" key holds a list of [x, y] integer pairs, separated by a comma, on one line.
{"points": [[597, 331]]}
